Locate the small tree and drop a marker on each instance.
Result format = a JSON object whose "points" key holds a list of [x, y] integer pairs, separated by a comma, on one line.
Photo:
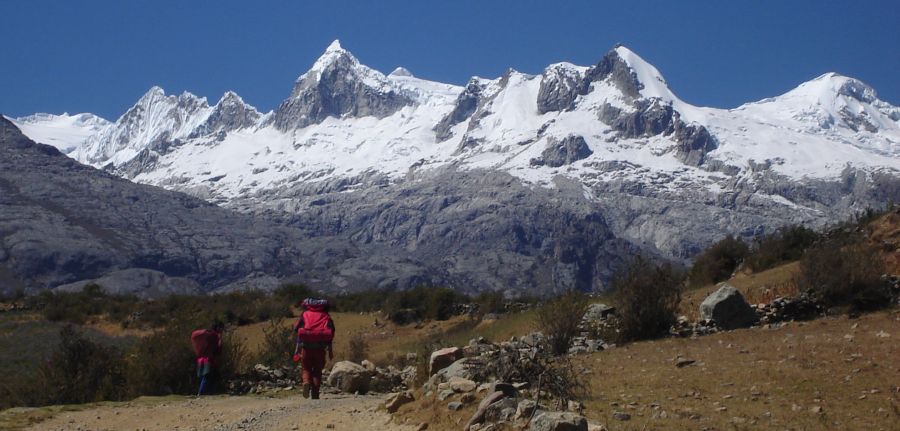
{"points": [[647, 297], [559, 320], [81, 371], [718, 262]]}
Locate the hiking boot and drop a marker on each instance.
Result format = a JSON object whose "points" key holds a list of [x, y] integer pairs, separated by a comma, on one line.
{"points": [[306, 390], [315, 394]]}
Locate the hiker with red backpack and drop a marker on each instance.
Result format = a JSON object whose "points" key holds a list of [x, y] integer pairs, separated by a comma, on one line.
{"points": [[207, 344], [315, 334]]}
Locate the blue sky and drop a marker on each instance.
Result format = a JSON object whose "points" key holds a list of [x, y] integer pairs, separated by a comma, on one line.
{"points": [[100, 56]]}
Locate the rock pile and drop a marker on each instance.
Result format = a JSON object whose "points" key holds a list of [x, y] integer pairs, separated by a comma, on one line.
{"points": [[685, 328], [801, 307], [264, 379]]}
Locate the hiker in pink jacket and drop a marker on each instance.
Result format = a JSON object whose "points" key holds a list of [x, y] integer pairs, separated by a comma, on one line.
{"points": [[315, 334]]}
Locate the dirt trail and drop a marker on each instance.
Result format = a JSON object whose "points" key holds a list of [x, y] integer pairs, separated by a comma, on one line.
{"points": [[225, 413]]}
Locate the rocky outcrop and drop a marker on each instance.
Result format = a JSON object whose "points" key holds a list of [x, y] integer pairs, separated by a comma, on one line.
{"points": [[465, 105], [231, 113], [338, 86], [559, 88], [614, 69], [728, 309], [563, 152]]}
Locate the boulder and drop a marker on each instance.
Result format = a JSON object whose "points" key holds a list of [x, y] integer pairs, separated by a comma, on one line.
{"points": [[442, 358], [558, 421], [395, 401], [349, 377], [478, 416], [459, 384], [728, 309], [503, 410], [598, 312]]}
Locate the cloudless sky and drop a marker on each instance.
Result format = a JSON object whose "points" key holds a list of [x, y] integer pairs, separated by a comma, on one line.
{"points": [[101, 56]]}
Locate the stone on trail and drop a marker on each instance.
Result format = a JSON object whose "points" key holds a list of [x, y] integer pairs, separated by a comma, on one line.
{"points": [[395, 401], [728, 309], [349, 377], [558, 421]]}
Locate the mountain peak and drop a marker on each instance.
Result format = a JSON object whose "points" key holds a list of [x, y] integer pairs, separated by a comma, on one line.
{"points": [[334, 46], [401, 71], [831, 85], [333, 54], [654, 85], [155, 92]]}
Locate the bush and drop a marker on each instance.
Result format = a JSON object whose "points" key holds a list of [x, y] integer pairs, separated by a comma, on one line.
{"points": [[490, 302], [718, 262], [279, 342], [845, 272], [544, 371], [80, 371], [163, 363], [559, 320], [437, 303], [358, 348], [648, 297]]}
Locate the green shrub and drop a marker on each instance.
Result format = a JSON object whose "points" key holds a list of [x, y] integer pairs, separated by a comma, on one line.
{"points": [[718, 262], [845, 272], [559, 320], [647, 296]]}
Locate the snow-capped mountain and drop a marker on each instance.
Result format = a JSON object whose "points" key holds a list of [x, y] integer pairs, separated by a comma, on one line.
{"points": [[609, 145], [343, 119], [65, 132]]}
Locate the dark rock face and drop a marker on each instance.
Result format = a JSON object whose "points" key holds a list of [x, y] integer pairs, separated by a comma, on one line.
{"points": [[476, 231], [559, 153], [652, 118], [694, 142], [466, 103], [335, 91], [559, 88], [613, 68]]}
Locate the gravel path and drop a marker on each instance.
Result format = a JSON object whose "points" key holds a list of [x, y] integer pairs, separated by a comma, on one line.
{"points": [[226, 413]]}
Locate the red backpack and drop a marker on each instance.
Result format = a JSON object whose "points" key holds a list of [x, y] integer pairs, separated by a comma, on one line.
{"points": [[205, 343], [316, 328]]}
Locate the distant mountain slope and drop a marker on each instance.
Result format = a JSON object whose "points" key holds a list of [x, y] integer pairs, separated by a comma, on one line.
{"points": [[63, 222]]}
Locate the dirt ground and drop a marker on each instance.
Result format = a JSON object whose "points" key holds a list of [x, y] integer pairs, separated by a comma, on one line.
{"points": [[223, 413]]}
